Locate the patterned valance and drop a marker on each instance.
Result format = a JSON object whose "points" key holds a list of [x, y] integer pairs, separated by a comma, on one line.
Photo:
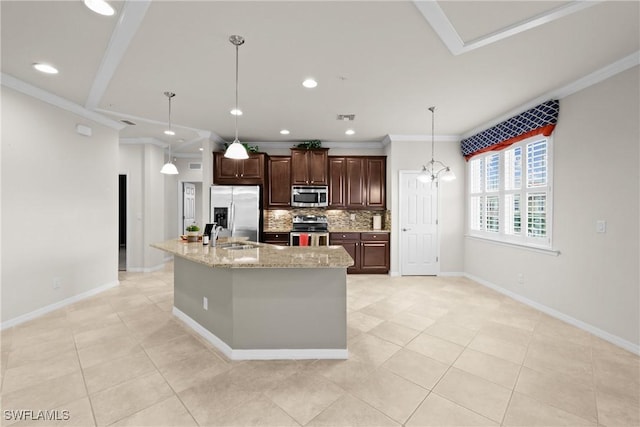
{"points": [[540, 120]]}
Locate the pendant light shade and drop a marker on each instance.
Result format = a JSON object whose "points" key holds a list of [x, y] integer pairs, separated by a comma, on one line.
{"points": [[236, 150], [169, 168], [432, 171]]}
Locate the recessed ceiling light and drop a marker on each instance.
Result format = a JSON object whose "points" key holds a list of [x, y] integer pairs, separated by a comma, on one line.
{"points": [[284, 132], [309, 83], [100, 6], [350, 131], [169, 132], [45, 68], [201, 149], [236, 112]]}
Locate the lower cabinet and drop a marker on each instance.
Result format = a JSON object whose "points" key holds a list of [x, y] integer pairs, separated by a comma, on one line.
{"points": [[273, 238], [370, 251]]}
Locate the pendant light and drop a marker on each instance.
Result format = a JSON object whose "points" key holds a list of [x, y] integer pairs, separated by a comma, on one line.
{"points": [[432, 170], [236, 150], [169, 131], [169, 168]]}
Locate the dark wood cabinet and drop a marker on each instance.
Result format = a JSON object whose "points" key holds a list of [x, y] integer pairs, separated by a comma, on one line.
{"points": [[278, 189], [233, 171], [357, 182], [337, 174], [374, 252], [370, 251], [276, 238], [309, 167]]}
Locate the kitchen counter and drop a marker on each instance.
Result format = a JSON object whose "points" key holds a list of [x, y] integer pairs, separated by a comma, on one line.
{"points": [[260, 255], [261, 301]]}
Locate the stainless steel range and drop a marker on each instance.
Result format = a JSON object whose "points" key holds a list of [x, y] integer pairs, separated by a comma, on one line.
{"points": [[309, 230]]}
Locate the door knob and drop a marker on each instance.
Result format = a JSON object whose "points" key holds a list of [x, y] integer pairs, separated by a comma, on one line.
{"points": [[406, 229]]}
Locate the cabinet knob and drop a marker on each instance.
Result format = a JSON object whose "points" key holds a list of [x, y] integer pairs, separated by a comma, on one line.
{"points": [[241, 174], [344, 235]]}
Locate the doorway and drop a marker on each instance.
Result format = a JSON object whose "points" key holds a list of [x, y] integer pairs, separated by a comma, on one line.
{"points": [[122, 222], [418, 226]]}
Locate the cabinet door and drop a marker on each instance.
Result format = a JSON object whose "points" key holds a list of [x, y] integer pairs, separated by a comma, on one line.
{"points": [[226, 168], [281, 239], [279, 188], [337, 174], [374, 257], [317, 166], [299, 167], [253, 167], [355, 183], [376, 182]]}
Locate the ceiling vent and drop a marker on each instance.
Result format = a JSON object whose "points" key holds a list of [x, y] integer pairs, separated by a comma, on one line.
{"points": [[195, 166], [346, 117], [128, 122]]}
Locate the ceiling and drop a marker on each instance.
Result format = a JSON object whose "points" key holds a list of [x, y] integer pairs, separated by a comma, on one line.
{"points": [[385, 62]]}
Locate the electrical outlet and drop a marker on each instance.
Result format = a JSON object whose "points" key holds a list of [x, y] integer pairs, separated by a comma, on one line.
{"points": [[353, 217], [57, 282], [601, 226], [205, 303], [520, 279]]}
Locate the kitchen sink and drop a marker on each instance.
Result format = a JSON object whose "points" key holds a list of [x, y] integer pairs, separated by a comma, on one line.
{"points": [[235, 246]]}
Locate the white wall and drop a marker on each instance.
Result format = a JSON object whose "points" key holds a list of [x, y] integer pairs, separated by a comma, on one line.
{"points": [[595, 279], [411, 155], [146, 204], [59, 205]]}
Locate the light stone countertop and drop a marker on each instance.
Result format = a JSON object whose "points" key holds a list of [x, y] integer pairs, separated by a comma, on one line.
{"points": [[261, 255]]}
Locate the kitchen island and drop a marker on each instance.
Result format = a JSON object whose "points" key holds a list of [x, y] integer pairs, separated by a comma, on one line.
{"points": [[259, 301]]}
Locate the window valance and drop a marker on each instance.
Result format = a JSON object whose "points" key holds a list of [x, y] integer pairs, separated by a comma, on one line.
{"points": [[540, 120]]}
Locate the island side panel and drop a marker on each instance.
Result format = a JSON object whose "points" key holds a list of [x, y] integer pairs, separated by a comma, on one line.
{"points": [[290, 308], [192, 282]]}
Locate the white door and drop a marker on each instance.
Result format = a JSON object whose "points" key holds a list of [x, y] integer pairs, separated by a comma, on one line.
{"points": [[418, 226], [188, 205]]}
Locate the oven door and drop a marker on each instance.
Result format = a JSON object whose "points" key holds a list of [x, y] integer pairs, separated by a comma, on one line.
{"points": [[302, 238]]}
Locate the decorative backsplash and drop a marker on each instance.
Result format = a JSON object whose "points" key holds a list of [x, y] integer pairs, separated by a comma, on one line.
{"points": [[338, 219]]}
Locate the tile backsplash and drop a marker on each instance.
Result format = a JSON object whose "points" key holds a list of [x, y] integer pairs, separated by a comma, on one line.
{"points": [[338, 219]]}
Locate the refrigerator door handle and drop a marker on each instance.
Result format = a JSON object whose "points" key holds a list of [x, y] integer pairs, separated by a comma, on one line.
{"points": [[232, 219]]}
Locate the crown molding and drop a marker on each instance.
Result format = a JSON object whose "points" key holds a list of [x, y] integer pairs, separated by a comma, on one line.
{"points": [[421, 138], [582, 83], [55, 100], [325, 144], [441, 24]]}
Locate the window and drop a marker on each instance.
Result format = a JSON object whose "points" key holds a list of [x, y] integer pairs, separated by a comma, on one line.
{"points": [[510, 193]]}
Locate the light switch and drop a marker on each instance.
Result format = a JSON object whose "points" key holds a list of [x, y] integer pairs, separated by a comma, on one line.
{"points": [[601, 226]]}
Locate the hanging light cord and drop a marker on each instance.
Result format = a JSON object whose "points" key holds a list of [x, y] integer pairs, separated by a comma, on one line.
{"points": [[237, 41]]}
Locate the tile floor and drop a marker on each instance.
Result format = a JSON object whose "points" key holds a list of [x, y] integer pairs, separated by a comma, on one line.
{"points": [[424, 351]]}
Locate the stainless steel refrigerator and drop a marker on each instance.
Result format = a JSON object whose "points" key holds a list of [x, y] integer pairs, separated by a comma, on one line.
{"points": [[237, 209]]}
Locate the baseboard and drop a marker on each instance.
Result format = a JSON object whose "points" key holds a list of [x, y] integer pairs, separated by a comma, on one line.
{"points": [[613, 339], [394, 273], [259, 354], [57, 305], [451, 274]]}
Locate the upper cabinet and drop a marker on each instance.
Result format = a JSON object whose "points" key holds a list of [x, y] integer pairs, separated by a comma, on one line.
{"points": [[278, 191], [357, 182], [309, 167], [232, 171]]}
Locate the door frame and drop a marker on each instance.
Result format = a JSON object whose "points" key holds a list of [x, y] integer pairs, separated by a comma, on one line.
{"points": [[180, 223], [128, 219], [402, 173]]}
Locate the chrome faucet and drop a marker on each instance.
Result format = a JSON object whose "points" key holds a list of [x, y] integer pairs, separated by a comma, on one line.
{"points": [[214, 235]]}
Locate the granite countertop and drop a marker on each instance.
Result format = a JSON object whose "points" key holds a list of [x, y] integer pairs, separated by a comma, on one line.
{"points": [[260, 255]]}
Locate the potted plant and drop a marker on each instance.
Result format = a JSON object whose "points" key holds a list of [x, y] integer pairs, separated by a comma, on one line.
{"points": [[192, 233]]}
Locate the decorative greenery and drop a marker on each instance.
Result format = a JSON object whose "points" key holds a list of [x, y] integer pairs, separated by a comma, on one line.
{"points": [[193, 228], [250, 148], [310, 144]]}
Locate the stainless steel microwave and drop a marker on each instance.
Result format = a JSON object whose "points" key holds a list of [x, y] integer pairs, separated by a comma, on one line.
{"points": [[309, 196]]}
